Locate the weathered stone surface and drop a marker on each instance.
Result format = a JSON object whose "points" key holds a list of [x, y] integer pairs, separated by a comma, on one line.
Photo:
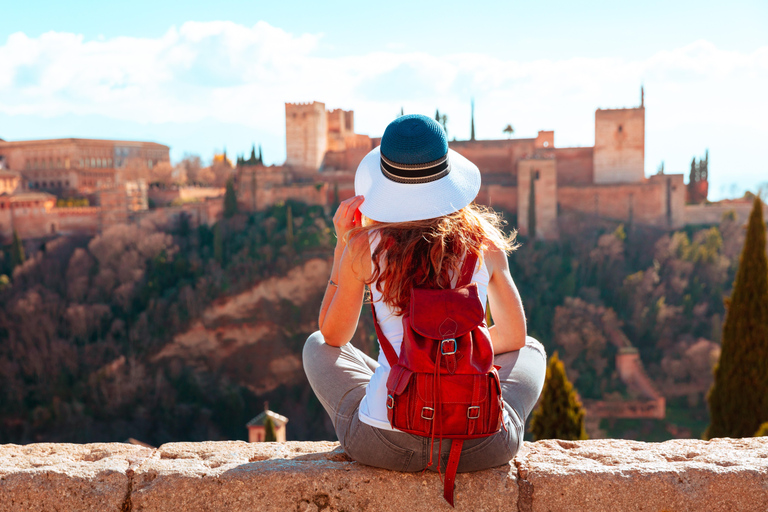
{"points": [[601, 475], [612, 475], [238, 476], [45, 477]]}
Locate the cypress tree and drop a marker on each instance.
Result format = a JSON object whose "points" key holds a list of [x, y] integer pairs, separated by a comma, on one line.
{"points": [[289, 226], [218, 244], [738, 399], [230, 200], [17, 251], [472, 123], [560, 414], [269, 430], [532, 207]]}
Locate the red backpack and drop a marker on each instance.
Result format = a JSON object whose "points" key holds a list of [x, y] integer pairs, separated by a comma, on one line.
{"points": [[444, 384]]}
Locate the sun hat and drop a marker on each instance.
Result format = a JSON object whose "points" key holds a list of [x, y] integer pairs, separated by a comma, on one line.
{"points": [[413, 175]]}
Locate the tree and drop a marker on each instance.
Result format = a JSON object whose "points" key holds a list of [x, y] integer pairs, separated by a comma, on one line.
{"points": [[442, 119], [230, 200], [472, 123], [509, 131], [532, 207], [738, 399], [269, 430], [191, 165], [289, 226], [17, 251], [218, 243], [560, 414], [762, 431]]}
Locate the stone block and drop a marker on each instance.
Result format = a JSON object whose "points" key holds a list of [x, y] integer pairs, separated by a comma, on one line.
{"points": [[47, 477], [721, 475], [238, 476]]}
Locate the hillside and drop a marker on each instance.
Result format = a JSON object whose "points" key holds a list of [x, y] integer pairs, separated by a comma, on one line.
{"points": [[175, 333]]}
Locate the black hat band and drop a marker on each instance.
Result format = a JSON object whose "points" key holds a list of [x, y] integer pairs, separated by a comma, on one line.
{"points": [[415, 173]]}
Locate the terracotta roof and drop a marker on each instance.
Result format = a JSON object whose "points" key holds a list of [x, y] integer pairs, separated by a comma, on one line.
{"points": [[31, 196], [7, 173], [259, 420], [73, 140]]}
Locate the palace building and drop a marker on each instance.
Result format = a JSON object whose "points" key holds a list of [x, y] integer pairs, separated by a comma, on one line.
{"points": [[531, 178], [107, 175]]}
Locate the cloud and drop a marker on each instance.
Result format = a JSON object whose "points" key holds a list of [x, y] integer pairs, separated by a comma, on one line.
{"points": [[221, 72]]}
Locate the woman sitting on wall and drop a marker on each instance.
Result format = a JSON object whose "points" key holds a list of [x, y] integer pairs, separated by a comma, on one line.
{"points": [[407, 233]]}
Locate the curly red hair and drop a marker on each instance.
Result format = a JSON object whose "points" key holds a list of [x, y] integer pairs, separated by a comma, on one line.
{"points": [[424, 253]]}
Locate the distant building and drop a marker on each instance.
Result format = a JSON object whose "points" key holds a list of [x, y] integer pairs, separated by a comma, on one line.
{"points": [[256, 430], [79, 165], [527, 177], [111, 174]]}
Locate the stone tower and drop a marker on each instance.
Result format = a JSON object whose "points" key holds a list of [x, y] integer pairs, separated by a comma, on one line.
{"points": [[619, 155], [306, 134], [537, 197]]}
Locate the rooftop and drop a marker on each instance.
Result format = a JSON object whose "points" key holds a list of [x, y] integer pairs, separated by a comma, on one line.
{"points": [[259, 420]]}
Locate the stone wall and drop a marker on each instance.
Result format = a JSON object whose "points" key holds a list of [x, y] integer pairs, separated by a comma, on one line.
{"points": [[713, 213], [656, 201], [546, 476]]}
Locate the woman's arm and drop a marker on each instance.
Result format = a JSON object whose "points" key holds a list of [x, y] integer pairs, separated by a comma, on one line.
{"points": [[340, 309], [509, 329]]}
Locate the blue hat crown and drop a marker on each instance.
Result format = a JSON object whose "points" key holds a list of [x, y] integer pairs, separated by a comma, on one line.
{"points": [[414, 139]]}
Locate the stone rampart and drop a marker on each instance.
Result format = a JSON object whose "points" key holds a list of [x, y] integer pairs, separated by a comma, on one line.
{"points": [[601, 475]]}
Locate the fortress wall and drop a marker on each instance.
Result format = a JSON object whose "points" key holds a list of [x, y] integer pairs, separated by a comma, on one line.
{"points": [[163, 197], [546, 476], [78, 221], [498, 198], [574, 166], [543, 174], [674, 190], [713, 213], [309, 194], [644, 202], [494, 157]]}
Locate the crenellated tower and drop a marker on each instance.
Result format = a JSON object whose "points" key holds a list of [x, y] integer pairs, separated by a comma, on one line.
{"points": [[306, 134], [619, 155]]}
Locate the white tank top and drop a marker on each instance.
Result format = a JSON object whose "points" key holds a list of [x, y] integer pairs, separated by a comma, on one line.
{"points": [[373, 409]]}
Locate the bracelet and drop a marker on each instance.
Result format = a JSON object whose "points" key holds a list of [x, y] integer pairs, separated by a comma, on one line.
{"points": [[330, 282]]}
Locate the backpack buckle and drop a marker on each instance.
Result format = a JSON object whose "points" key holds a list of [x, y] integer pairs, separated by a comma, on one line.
{"points": [[477, 411], [390, 401], [451, 350], [431, 413]]}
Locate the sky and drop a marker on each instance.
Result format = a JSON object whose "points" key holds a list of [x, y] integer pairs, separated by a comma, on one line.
{"points": [[205, 76]]}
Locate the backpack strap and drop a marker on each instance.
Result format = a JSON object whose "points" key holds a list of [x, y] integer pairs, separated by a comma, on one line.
{"points": [[450, 469], [386, 346], [467, 271]]}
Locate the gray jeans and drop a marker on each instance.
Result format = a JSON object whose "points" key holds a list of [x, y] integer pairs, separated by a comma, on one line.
{"points": [[339, 376]]}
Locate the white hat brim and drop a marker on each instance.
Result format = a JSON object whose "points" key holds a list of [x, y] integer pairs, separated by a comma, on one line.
{"points": [[389, 201]]}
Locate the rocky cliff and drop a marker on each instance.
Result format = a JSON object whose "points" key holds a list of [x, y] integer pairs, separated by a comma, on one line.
{"points": [[255, 337], [546, 476]]}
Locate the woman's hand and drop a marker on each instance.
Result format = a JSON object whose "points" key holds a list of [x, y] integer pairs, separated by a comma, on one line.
{"points": [[347, 216]]}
